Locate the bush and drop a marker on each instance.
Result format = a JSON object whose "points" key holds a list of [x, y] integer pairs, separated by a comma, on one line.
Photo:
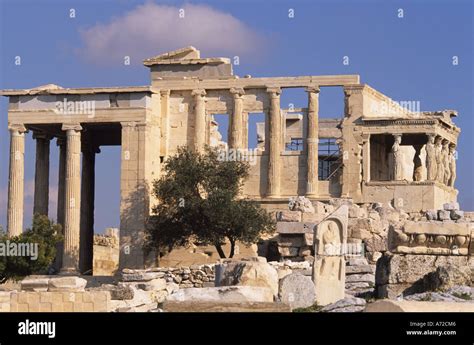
{"points": [[41, 241]]}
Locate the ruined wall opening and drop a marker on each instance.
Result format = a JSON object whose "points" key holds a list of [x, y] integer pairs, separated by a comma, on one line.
{"points": [[254, 131], [380, 165], [294, 107], [218, 130], [107, 189], [331, 103], [329, 158]]}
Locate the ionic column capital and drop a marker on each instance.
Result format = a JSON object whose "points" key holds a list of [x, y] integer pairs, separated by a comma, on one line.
{"points": [[274, 91], [17, 128], [198, 93], [76, 127], [237, 92], [313, 89], [165, 92]]}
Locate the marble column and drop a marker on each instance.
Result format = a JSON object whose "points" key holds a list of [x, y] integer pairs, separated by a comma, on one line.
{"points": [[72, 214], [41, 196], [16, 180], [199, 119], [312, 140], [237, 122], [274, 159], [87, 207], [61, 142], [165, 128]]}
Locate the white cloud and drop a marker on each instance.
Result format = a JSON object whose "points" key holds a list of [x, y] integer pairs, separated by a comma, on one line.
{"points": [[152, 29]]}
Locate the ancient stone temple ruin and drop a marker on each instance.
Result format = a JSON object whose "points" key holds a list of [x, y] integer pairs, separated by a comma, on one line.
{"points": [[381, 151]]}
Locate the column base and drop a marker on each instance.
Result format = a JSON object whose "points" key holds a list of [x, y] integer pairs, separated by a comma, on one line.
{"points": [[69, 272], [273, 196], [311, 195]]}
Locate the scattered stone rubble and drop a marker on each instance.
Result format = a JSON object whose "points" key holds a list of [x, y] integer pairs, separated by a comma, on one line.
{"points": [[109, 239], [415, 257]]}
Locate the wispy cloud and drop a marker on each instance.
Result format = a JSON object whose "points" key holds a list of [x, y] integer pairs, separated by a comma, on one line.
{"points": [[150, 29]]}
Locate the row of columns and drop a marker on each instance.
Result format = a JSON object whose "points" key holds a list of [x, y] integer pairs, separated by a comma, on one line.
{"points": [[275, 129], [74, 215]]}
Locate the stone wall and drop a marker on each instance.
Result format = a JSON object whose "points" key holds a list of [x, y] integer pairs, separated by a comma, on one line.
{"points": [[106, 253], [183, 277], [86, 301]]}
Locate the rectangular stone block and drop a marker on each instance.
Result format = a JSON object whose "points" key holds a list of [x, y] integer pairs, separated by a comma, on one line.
{"points": [[291, 240], [451, 206], [23, 307], [437, 228], [294, 228], [34, 284], [46, 307], [289, 216]]}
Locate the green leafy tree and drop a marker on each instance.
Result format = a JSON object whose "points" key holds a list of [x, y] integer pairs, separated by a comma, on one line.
{"points": [[198, 201], [46, 235]]}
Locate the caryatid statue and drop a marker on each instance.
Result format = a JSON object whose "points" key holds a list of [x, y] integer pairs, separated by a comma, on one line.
{"points": [[439, 160], [445, 160], [431, 165], [452, 165], [397, 158]]}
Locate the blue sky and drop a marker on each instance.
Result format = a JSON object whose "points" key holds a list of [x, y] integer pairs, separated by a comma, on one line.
{"points": [[409, 58]]}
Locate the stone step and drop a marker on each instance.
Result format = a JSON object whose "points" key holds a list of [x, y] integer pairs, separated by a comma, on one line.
{"points": [[365, 277], [360, 269], [199, 306]]}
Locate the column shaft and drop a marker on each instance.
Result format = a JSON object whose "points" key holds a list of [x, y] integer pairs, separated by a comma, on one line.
{"points": [[273, 189], [16, 180], [41, 196], [72, 200], [236, 121], [61, 142], [87, 208], [312, 140], [199, 119]]}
